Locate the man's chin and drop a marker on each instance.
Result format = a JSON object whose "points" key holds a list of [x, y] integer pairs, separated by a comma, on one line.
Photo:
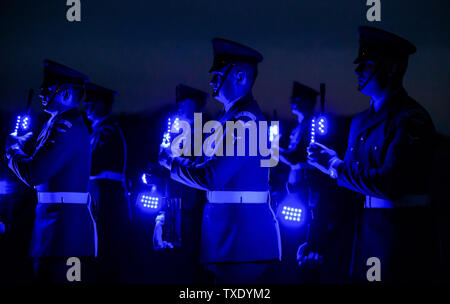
{"points": [[217, 97], [363, 90]]}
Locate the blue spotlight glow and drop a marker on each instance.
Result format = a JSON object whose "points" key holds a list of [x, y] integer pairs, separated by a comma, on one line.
{"points": [[319, 126], [273, 132], [149, 201], [25, 123], [22, 123], [291, 214], [144, 178], [6, 187], [176, 124], [167, 138], [322, 125], [313, 131]]}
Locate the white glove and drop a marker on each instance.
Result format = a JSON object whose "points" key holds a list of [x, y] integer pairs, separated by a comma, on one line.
{"points": [[323, 158]]}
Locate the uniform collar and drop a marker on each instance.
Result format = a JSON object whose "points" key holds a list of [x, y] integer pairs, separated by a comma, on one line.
{"points": [[393, 101], [239, 102], [378, 106], [98, 122], [72, 112]]}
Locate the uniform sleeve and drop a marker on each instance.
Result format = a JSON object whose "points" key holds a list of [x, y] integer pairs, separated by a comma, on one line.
{"points": [[404, 165], [213, 173], [54, 153]]}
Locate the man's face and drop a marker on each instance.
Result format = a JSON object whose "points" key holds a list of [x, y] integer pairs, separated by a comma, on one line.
{"points": [[94, 109], [222, 92], [364, 72], [50, 97], [300, 111], [294, 107]]}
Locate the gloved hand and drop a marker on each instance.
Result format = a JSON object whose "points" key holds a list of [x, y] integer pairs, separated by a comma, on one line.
{"points": [[165, 157], [14, 142], [321, 157], [307, 257], [158, 242]]}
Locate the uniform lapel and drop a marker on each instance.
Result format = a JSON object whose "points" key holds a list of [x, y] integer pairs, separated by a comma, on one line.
{"points": [[45, 131], [229, 115]]}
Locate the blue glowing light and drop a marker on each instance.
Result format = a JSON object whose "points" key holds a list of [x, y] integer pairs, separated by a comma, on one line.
{"points": [[167, 134], [313, 131], [291, 213], [323, 125], [6, 187], [273, 132], [176, 124], [319, 126], [22, 123], [144, 178], [149, 201], [166, 137]]}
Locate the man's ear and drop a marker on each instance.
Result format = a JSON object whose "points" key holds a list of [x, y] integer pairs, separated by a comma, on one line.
{"points": [[66, 93], [240, 75], [392, 69], [395, 68]]}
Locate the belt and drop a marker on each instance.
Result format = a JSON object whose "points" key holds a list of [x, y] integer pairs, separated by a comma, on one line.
{"points": [[405, 201], [238, 197], [63, 197], [109, 175]]}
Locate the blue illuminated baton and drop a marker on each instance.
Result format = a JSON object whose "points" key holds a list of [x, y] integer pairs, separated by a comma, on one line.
{"points": [[313, 131], [23, 121], [167, 134], [319, 125], [273, 132]]}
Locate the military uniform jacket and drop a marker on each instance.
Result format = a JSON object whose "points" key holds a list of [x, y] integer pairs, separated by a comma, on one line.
{"points": [[112, 206], [60, 163], [108, 148], [387, 158], [233, 232], [387, 151]]}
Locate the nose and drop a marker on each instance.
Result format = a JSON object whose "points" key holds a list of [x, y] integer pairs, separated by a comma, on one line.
{"points": [[358, 70]]}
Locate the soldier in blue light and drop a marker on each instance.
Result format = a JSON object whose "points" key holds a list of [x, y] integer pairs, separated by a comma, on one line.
{"points": [[107, 181], [300, 181], [239, 230], [389, 149], [303, 101], [59, 170]]}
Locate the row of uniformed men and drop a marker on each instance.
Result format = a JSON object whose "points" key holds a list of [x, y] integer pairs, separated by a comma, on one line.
{"points": [[240, 235]]}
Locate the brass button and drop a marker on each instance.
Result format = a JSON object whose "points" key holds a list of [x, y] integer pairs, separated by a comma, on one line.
{"points": [[351, 149], [375, 148], [362, 138]]}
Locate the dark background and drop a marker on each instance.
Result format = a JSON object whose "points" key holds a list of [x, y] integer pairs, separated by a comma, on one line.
{"points": [[143, 49]]}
